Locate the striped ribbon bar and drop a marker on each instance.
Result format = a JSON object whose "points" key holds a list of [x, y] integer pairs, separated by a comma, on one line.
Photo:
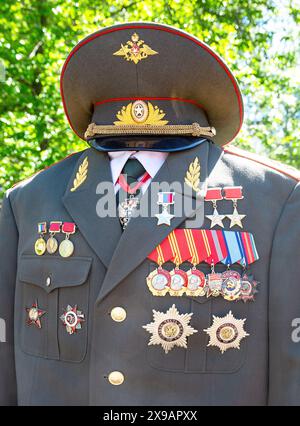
{"points": [[210, 246]]}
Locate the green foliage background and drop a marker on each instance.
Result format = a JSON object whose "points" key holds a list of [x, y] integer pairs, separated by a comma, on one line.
{"points": [[257, 38]]}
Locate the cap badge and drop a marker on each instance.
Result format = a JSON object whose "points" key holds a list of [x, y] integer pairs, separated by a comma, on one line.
{"points": [[140, 112], [135, 50], [170, 329], [226, 332]]}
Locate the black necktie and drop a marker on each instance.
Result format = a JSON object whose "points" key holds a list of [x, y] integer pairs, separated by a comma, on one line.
{"points": [[128, 203]]}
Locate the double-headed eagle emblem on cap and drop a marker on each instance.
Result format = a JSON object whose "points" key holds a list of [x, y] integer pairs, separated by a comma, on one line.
{"points": [[135, 50]]}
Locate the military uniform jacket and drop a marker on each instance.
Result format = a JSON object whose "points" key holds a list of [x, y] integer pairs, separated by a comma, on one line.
{"points": [[47, 366]]}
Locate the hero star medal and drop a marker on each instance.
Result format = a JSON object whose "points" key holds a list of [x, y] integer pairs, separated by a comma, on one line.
{"points": [[165, 199]]}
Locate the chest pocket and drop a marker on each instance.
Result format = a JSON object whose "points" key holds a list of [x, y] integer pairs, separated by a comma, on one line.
{"points": [[54, 283], [198, 357]]}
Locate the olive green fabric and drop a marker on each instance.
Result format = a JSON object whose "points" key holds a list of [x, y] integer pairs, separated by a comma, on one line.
{"points": [[108, 269]]}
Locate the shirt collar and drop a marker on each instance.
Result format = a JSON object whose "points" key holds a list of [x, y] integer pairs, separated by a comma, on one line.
{"points": [[151, 161]]}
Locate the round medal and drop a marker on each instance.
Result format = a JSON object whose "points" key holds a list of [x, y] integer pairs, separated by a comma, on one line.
{"points": [[196, 283], [66, 248], [40, 246], [231, 285], [52, 245], [178, 282], [158, 282]]}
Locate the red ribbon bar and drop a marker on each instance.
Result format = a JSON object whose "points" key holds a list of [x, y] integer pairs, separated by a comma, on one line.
{"points": [[183, 247], [217, 246], [55, 227], [68, 228], [133, 189], [233, 193], [214, 194]]}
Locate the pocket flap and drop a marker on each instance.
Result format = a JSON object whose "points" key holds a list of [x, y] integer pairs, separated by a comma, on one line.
{"points": [[54, 272]]}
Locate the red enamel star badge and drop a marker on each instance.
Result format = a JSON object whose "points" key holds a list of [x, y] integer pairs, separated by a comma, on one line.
{"points": [[34, 315]]}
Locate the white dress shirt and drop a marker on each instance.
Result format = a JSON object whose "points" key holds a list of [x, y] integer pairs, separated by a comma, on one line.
{"points": [[151, 161]]}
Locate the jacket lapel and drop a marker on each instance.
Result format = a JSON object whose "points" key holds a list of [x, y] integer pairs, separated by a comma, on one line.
{"points": [[143, 234], [102, 234]]}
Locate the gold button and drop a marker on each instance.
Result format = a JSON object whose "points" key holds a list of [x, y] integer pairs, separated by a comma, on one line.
{"points": [[116, 378], [118, 314]]}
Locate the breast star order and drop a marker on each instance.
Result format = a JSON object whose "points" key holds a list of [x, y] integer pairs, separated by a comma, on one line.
{"points": [[170, 329], [226, 332], [216, 218], [236, 218]]}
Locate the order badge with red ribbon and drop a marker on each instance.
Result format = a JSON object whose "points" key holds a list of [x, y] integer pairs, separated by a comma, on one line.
{"points": [[213, 247]]}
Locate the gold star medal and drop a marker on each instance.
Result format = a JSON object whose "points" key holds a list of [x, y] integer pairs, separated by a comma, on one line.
{"points": [[170, 329], [226, 332], [213, 195], [165, 199], [234, 193], [40, 244]]}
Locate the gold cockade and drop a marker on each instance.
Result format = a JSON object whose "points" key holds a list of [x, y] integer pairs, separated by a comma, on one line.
{"points": [[135, 50], [192, 177], [139, 112], [81, 175]]}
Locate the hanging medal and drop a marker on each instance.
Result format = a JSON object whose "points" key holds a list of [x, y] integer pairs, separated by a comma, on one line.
{"points": [[40, 244], [234, 193], [196, 285], [165, 199], [179, 278], [213, 195], [52, 243], [218, 253], [231, 285], [248, 288], [159, 280], [66, 247]]}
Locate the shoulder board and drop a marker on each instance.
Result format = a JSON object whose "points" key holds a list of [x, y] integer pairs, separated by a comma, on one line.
{"points": [[45, 168], [272, 164]]}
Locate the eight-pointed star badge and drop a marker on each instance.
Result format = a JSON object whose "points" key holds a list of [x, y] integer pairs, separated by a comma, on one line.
{"points": [[170, 329], [34, 315], [72, 319], [226, 332]]}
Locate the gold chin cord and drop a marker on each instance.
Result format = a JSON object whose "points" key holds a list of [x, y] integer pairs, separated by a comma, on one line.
{"points": [[176, 129]]}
